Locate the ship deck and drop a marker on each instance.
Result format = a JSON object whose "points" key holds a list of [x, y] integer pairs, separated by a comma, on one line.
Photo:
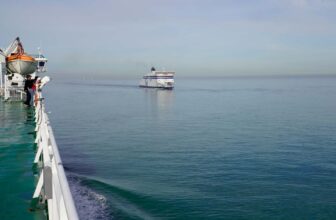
{"points": [[17, 150]]}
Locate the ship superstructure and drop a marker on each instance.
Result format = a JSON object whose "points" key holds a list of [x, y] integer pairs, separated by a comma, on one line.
{"points": [[158, 79], [52, 193], [15, 65]]}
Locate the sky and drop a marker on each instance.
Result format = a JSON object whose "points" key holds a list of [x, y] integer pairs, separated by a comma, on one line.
{"points": [[124, 38]]}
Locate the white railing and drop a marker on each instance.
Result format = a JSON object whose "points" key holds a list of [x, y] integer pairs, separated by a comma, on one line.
{"points": [[13, 94], [52, 186]]}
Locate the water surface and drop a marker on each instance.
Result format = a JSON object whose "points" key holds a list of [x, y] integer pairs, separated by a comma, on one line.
{"points": [[258, 148]]}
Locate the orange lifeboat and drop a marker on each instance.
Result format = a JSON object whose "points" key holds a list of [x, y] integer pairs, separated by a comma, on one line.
{"points": [[20, 62]]}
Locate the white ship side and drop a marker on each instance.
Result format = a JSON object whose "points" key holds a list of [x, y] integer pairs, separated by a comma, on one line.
{"points": [[52, 193], [158, 79]]}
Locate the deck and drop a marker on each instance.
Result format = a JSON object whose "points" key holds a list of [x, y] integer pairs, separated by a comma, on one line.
{"points": [[17, 152]]}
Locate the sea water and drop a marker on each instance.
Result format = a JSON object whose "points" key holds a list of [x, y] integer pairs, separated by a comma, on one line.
{"points": [[226, 148]]}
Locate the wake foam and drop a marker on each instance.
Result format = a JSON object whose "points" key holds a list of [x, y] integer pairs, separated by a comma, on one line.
{"points": [[89, 204]]}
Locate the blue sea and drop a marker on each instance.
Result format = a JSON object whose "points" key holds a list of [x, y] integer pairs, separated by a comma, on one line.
{"points": [[224, 148]]}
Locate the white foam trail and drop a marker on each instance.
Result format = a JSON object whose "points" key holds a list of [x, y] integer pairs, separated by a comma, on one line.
{"points": [[89, 204]]}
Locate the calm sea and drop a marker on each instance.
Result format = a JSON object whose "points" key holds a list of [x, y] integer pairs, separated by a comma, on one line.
{"points": [[257, 148]]}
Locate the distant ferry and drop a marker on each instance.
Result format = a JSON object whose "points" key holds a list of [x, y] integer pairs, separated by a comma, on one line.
{"points": [[158, 79]]}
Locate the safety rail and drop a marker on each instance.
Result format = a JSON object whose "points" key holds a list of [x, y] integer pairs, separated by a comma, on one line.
{"points": [[52, 187], [13, 94]]}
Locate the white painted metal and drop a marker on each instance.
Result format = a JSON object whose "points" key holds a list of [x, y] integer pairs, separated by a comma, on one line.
{"points": [[38, 186], [158, 79], [41, 60], [12, 87], [22, 67], [2, 76], [38, 154], [2, 71], [55, 188], [52, 186], [12, 48], [6, 89]]}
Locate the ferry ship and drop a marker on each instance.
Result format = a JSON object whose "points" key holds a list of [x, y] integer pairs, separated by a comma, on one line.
{"points": [[158, 79], [51, 195]]}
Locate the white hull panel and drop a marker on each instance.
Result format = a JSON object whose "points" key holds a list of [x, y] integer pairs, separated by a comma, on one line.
{"points": [[22, 67], [158, 79], [157, 83]]}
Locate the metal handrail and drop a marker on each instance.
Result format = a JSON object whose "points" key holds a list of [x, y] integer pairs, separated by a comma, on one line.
{"points": [[70, 204], [54, 187]]}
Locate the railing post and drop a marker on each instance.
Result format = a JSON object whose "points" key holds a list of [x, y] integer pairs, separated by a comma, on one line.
{"points": [[52, 185]]}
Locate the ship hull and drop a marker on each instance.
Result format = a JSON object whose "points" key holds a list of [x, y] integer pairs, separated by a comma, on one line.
{"points": [[156, 83], [158, 79], [23, 65]]}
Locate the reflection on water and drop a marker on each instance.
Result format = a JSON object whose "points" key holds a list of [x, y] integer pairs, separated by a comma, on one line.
{"points": [[159, 101]]}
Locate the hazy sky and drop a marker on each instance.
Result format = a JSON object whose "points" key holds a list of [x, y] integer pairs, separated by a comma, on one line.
{"points": [[193, 37]]}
